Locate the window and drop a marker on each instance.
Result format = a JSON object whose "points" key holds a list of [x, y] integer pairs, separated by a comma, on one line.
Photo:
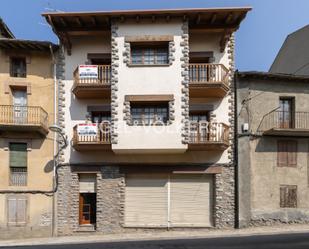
{"points": [[17, 210], [286, 114], [18, 67], [18, 164], [199, 127], [287, 153], [288, 196], [154, 55], [99, 117], [149, 114]]}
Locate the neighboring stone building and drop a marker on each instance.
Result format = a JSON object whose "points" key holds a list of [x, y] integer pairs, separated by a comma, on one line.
{"points": [[26, 147], [293, 57], [273, 148], [145, 75]]}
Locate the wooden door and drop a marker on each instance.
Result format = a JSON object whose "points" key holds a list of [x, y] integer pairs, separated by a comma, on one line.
{"points": [[87, 208], [286, 119], [20, 106], [199, 128]]}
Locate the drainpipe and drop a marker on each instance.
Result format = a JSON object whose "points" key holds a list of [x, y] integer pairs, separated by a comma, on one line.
{"points": [[236, 151], [55, 137]]}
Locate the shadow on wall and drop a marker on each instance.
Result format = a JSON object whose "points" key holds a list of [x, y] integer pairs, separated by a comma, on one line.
{"points": [[269, 144], [49, 167], [97, 157]]}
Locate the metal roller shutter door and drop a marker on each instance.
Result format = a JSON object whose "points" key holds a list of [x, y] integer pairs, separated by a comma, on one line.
{"points": [[191, 200], [146, 201]]}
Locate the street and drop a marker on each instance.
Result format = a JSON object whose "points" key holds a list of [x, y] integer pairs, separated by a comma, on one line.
{"points": [[292, 241]]}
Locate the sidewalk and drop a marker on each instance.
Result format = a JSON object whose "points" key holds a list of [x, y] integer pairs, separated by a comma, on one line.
{"points": [[270, 230]]}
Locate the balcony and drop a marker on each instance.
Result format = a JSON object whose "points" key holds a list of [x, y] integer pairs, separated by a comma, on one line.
{"points": [[279, 123], [208, 80], [212, 136], [26, 119], [88, 137], [92, 81]]}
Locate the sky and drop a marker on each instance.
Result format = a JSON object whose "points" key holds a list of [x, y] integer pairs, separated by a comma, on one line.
{"points": [[258, 40]]}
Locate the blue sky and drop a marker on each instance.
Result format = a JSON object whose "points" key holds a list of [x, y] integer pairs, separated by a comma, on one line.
{"points": [[258, 39]]}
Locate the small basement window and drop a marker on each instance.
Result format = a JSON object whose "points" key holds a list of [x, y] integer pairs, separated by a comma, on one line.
{"points": [[151, 54], [149, 113], [18, 67], [288, 196]]}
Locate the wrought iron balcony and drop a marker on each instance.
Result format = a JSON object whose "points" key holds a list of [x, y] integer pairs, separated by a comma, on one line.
{"points": [[281, 123]]}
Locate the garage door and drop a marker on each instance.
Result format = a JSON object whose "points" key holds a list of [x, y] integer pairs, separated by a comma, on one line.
{"points": [[191, 200], [146, 200], [168, 200]]}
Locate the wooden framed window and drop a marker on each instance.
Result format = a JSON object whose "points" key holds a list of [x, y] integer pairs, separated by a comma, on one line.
{"points": [[287, 153], [17, 210], [149, 54], [99, 117], [286, 112], [149, 113], [18, 164], [288, 196], [18, 67]]}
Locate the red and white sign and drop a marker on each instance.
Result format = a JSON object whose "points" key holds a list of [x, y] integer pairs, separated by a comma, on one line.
{"points": [[87, 129], [88, 71]]}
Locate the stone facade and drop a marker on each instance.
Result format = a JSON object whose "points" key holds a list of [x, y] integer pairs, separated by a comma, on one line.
{"points": [[114, 81], [185, 82]]}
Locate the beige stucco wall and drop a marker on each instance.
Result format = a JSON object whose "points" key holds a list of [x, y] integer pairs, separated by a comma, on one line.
{"points": [[259, 176], [149, 80], [137, 80], [40, 150]]}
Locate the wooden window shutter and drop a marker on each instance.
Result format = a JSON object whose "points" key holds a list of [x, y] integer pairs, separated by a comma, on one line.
{"points": [[281, 154], [292, 153], [288, 196], [18, 155], [287, 153], [21, 215], [292, 197], [12, 210], [17, 210]]}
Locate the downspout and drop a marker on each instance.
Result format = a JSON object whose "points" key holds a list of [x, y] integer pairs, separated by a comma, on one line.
{"points": [[236, 151], [55, 137]]}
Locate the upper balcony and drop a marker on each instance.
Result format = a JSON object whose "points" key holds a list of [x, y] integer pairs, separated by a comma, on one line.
{"points": [[26, 119], [92, 136], [92, 81], [280, 123], [208, 80], [212, 136]]}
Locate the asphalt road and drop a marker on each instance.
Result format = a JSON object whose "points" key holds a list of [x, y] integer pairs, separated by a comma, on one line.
{"points": [[292, 241]]}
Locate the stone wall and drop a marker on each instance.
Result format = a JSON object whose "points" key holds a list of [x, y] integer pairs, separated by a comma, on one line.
{"points": [[225, 182], [225, 198], [110, 200]]}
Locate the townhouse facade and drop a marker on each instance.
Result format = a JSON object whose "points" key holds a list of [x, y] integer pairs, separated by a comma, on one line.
{"points": [[147, 101], [26, 146], [273, 148]]}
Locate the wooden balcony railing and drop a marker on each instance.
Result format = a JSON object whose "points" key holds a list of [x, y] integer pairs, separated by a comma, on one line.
{"points": [[103, 76], [98, 134], [201, 133], [23, 115], [203, 73], [285, 120]]}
